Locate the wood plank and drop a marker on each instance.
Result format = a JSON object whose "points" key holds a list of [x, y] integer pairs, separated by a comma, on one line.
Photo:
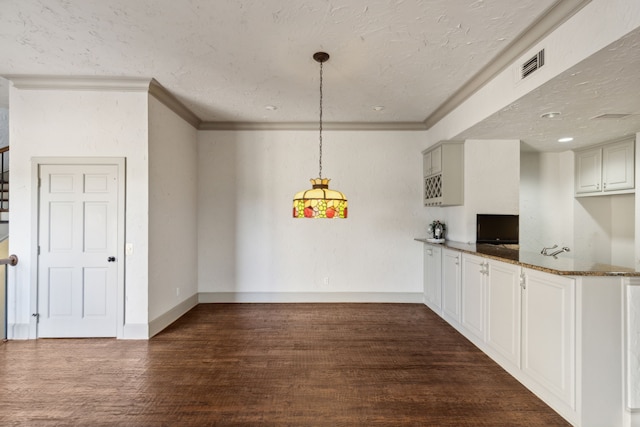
{"points": [[269, 364]]}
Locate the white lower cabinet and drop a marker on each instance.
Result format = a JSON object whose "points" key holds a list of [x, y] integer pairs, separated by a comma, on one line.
{"points": [[433, 277], [503, 286], [451, 286], [491, 305], [474, 270], [560, 336], [549, 333]]}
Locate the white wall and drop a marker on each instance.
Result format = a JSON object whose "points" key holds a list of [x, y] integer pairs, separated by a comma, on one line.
{"points": [[248, 241], [604, 229], [600, 229], [623, 230], [546, 200], [491, 186], [172, 210], [64, 123]]}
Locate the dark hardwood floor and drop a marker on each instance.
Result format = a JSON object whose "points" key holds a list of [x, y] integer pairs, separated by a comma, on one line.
{"points": [[269, 365]]}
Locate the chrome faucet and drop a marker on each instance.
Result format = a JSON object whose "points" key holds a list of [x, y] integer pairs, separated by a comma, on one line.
{"points": [[555, 254]]}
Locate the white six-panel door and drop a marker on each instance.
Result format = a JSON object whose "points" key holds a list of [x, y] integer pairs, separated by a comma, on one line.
{"points": [[77, 239]]}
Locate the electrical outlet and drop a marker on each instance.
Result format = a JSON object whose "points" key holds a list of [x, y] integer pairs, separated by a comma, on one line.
{"points": [[326, 281], [177, 292], [128, 248]]}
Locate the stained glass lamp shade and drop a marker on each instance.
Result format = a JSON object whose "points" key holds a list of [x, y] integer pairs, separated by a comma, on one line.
{"points": [[320, 201]]}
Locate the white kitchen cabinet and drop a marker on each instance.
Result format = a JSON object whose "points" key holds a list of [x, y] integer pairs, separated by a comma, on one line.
{"points": [[433, 277], [451, 281], [474, 272], [432, 161], [490, 300], [548, 333], [562, 337], [503, 286], [443, 174], [588, 171], [605, 169], [618, 166]]}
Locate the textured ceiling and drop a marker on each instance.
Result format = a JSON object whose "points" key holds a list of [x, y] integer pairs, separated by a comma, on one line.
{"points": [[229, 59], [608, 82]]}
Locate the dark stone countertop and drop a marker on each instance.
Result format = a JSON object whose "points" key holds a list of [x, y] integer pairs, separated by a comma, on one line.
{"points": [[564, 265]]}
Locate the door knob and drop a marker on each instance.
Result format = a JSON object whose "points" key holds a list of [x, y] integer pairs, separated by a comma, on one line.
{"points": [[111, 259]]}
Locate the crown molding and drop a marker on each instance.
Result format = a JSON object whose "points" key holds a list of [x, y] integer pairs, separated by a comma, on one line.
{"points": [[379, 126], [129, 84], [555, 16], [171, 102]]}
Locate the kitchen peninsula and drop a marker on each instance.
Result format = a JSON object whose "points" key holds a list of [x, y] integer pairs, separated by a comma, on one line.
{"points": [[564, 264], [561, 326]]}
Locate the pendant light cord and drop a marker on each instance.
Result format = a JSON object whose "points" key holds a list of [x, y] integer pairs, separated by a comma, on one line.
{"points": [[320, 173]]}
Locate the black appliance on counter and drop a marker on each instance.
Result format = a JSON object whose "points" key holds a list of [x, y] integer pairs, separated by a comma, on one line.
{"points": [[497, 229]]}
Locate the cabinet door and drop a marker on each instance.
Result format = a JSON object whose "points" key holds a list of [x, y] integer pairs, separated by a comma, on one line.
{"points": [[433, 277], [588, 171], [503, 310], [618, 166], [472, 294], [451, 285], [426, 163], [436, 160], [548, 332]]}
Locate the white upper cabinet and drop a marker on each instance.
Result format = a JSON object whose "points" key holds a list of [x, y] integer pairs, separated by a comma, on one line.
{"points": [[618, 166], [606, 169], [443, 172], [588, 171], [436, 161]]}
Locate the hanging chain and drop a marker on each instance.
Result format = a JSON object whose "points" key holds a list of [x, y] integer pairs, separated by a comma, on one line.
{"points": [[320, 173]]}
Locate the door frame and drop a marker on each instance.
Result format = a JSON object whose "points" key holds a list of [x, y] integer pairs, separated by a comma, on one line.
{"points": [[120, 163]]}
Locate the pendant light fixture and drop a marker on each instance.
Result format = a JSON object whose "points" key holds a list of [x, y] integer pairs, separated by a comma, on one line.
{"points": [[319, 201]]}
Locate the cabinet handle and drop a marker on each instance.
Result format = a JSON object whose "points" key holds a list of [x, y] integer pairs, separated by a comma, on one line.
{"points": [[484, 268], [523, 281], [604, 185]]}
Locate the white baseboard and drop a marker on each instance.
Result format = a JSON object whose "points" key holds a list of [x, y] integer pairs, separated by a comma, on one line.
{"points": [[144, 331], [135, 331], [164, 320], [311, 297], [18, 331]]}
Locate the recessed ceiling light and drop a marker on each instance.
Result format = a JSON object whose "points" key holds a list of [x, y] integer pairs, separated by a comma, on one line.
{"points": [[566, 139], [270, 107], [550, 115], [378, 108]]}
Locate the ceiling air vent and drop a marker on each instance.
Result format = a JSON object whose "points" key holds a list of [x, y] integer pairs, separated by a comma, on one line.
{"points": [[532, 64], [611, 116]]}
